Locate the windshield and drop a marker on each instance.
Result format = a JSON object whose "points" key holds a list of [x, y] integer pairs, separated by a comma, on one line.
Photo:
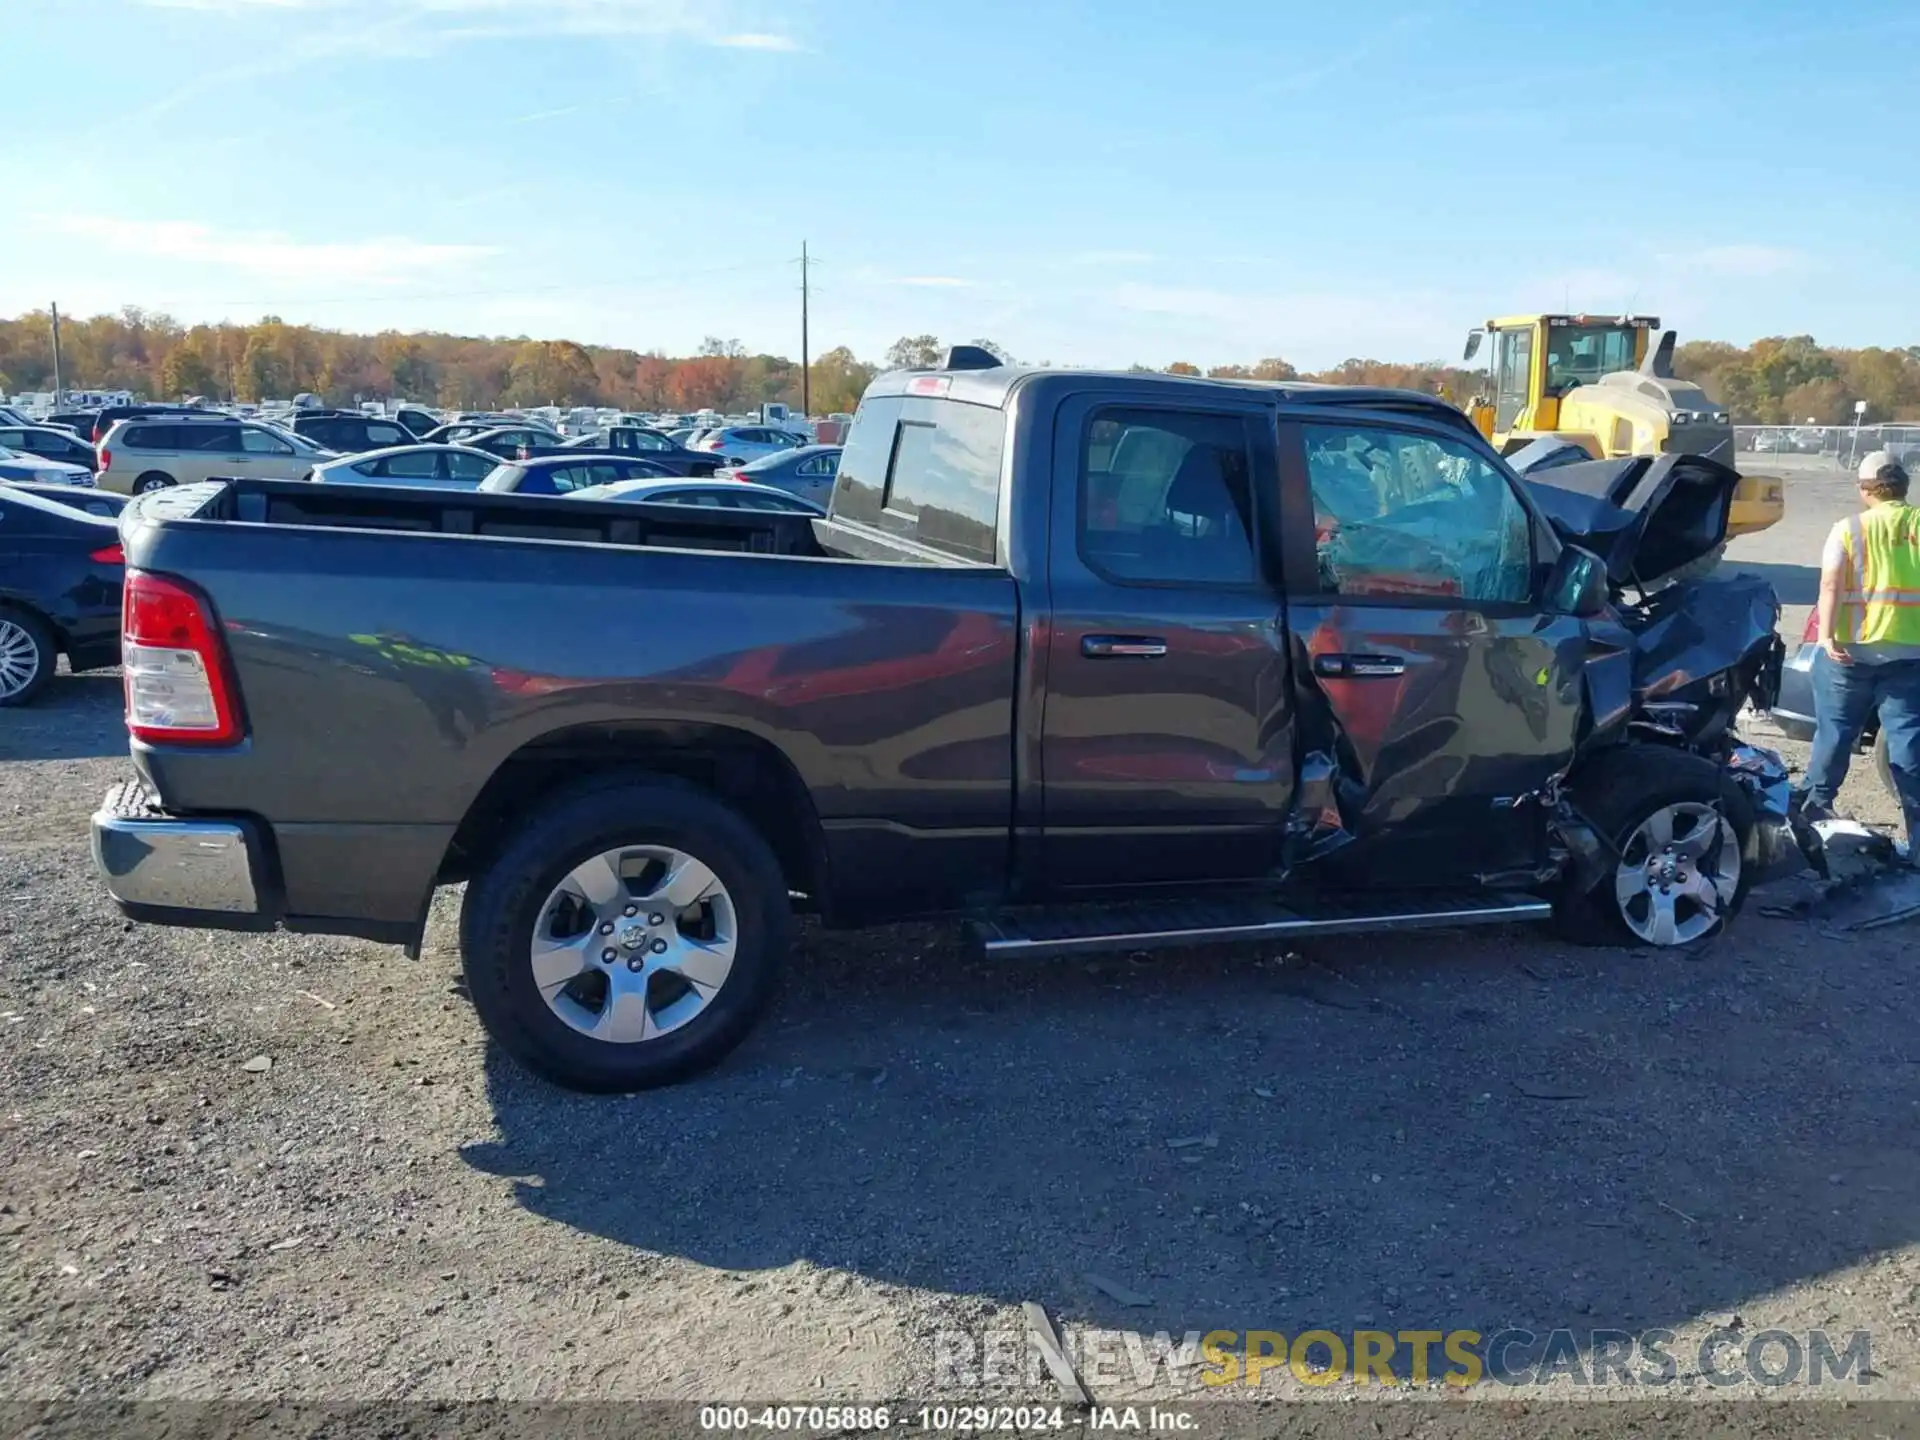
{"points": [[1581, 354]]}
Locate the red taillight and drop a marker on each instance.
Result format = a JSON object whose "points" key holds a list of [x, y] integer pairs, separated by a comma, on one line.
{"points": [[1812, 632], [178, 688], [106, 458], [108, 555]]}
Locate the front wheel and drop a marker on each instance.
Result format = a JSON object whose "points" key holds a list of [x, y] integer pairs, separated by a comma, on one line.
{"points": [[1683, 833], [627, 937]]}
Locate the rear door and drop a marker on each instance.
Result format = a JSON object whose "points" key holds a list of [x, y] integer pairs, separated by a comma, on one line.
{"points": [[1432, 680], [1167, 742]]}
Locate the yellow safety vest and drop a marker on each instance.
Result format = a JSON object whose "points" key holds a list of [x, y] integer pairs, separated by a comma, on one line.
{"points": [[1880, 604]]}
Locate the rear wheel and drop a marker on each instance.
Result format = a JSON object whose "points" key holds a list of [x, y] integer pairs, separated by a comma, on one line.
{"points": [[1683, 832], [151, 481], [28, 655], [626, 937]]}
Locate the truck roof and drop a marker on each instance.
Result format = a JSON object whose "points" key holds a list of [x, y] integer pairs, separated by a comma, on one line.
{"points": [[994, 387]]}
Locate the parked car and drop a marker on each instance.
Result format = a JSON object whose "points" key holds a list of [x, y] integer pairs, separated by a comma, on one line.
{"points": [[49, 442], [807, 472], [108, 416], [641, 443], [60, 576], [80, 422], [85, 498], [717, 494], [567, 472], [417, 421], [742, 443], [347, 432], [509, 442], [1067, 642], [455, 467], [17, 465], [138, 456]]}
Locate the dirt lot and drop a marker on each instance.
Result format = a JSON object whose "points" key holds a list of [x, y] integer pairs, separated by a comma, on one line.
{"points": [[286, 1166]]}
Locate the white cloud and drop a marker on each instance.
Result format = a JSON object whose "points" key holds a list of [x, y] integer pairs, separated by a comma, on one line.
{"points": [[380, 260], [758, 40]]}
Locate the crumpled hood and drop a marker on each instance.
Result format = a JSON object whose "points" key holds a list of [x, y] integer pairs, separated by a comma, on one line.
{"points": [[1646, 516]]}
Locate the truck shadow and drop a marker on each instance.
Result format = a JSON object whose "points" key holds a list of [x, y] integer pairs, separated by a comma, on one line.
{"points": [[1794, 584], [1426, 1131]]}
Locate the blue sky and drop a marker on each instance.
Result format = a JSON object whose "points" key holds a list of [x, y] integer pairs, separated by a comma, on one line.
{"points": [[1083, 182]]}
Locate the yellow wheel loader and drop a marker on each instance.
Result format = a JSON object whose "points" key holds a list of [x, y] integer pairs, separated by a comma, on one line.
{"points": [[1600, 382]]}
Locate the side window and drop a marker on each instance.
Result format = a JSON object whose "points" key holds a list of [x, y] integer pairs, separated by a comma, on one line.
{"points": [[13, 439], [646, 440], [943, 478], [259, 442], [219, 439], [470, 467], [1401, 514], [387, 435], [571, 477], [1166, 498], [420, 465], [606, 472], [145, 437]]}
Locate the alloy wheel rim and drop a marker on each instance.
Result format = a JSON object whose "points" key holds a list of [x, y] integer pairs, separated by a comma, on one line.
{"points": [[634, 943], [1678, 874], [19, 658]]}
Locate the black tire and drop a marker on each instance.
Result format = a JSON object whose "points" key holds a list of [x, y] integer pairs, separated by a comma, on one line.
{"points": [[153, 480], [1617, 791], [46, 654], [505, 898]]}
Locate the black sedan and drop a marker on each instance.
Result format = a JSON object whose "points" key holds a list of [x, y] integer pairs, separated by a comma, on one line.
{"points": [[639, 443], [567, 472], [60, 576], [49, 442], [509, 442]]}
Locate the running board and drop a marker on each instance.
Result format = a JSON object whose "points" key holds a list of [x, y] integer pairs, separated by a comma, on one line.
{"points": [[1086, 929]]}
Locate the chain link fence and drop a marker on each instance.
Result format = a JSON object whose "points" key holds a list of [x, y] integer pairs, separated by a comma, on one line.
{"points": [[1840, 446]]}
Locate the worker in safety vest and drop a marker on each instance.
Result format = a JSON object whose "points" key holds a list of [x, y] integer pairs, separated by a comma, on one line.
{"points": [[1869, 631]]}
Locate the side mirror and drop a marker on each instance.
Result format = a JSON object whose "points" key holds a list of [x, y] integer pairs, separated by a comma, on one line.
{"points": [[1578, 584], [1474, 337]]}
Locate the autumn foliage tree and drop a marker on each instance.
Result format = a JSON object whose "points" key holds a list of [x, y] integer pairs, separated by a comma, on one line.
{"points": [[1775, 380]]}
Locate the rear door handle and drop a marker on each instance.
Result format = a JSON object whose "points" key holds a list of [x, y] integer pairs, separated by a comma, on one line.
{"points": [[1358, 667], [1118, 647]]}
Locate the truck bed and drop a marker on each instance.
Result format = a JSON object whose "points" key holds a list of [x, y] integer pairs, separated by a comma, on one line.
{"points": [[518, 517], [393, 649]]}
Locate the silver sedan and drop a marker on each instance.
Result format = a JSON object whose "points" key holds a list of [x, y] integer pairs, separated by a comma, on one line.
{"points": [[708, 494], [439, 467]]}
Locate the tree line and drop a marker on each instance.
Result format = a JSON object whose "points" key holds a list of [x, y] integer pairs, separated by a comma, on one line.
{"points": [[1772, 381]]}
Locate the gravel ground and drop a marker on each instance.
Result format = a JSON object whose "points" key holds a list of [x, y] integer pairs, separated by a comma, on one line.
{"points": [[285, 1166]]}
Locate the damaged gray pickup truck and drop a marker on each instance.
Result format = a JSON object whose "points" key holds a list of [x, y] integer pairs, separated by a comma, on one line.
{"points": [[1094, 661]]}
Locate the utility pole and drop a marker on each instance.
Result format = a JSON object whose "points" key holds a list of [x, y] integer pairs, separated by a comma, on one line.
{"points": [[806, 376], [58, 390]]}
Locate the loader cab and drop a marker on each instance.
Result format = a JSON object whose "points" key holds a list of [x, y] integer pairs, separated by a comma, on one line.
{"points": [[1536, 360]]}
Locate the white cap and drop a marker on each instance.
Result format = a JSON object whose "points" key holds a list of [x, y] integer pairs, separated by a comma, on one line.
{"points": [[1871, 467]]}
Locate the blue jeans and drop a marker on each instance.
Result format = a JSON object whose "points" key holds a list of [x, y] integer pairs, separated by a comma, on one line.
{"points": [[1844, 699]]}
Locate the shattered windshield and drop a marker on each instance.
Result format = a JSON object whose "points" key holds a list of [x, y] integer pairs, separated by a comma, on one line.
{"points": [[1401, 513]]}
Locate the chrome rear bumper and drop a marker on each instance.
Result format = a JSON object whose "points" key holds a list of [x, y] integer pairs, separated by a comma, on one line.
{"points": [[152, 861]]}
